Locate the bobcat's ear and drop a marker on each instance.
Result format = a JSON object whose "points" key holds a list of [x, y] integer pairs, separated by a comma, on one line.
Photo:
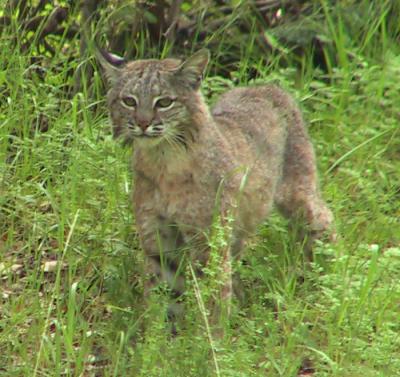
{"points": [[111, 63], [192, 69]]}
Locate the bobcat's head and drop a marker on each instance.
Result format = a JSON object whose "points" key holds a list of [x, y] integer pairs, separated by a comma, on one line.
{"points": [[154, 101]]}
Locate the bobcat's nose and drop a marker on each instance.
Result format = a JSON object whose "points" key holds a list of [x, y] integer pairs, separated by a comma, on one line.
{"points": [[144, 119], [143, 123]]}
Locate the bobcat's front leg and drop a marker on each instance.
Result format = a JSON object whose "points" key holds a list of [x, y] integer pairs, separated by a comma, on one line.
{"points": [[209, 268], [163, 260]]}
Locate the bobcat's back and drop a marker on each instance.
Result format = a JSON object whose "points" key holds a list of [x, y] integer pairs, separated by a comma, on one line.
{"points": [[255, 112], [257, 121]]}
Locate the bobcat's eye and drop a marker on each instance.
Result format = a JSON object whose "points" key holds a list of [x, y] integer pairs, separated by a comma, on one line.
{"points": [[129, 101], [164, 102]]}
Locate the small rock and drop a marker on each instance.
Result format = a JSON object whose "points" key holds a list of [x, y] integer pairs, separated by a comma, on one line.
{"points": [[51, 266]]}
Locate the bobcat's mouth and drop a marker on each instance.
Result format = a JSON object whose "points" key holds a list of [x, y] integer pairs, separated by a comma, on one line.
{"points": [[152, 131], [146, 136]]}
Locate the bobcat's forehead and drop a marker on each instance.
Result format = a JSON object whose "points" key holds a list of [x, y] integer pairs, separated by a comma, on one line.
{"points": [[146, 78]]}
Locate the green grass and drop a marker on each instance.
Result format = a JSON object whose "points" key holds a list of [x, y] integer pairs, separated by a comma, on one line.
{"points": [[64, 196]]}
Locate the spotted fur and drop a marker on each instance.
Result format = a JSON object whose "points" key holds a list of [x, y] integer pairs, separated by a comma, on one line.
{"points": [[248, 154]]}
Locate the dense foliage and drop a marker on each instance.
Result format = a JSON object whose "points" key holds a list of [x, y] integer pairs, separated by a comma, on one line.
{"points": [[143, 29]]}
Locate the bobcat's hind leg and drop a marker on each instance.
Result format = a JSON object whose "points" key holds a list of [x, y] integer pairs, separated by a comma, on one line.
{"points": [[298, 197], [311, 217]]}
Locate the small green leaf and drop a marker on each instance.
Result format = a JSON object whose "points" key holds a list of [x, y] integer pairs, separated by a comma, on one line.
{"points": [[150, 17]]}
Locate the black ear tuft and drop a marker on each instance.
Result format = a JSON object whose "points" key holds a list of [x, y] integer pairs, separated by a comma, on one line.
{"points": [[192, 69], [111, 63], [110, 58]]}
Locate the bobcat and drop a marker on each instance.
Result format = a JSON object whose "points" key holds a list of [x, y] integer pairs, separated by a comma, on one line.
{"points": [[249, 153]]}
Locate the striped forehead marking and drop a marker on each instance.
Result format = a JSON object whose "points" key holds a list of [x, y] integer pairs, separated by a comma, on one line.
{"points": [[147, 82]]}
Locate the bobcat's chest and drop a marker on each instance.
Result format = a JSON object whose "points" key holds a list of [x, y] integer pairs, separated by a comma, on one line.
{"points": [[185, 200], [177, 190], [176, 193]]}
